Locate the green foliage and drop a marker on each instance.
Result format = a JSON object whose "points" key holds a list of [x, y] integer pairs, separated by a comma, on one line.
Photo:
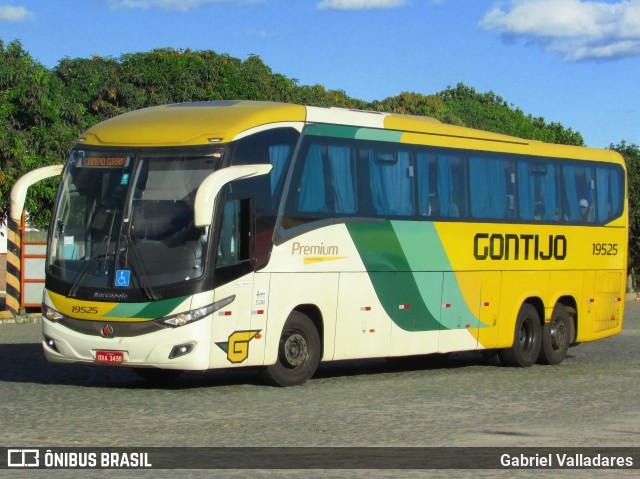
{"points": [[464, 106], [490, 112], [37, 126], [418, 104], [106, 87], [631, 155]]}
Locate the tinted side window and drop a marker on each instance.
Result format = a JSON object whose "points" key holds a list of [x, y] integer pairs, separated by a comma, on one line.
{"points": [[609, 192], [442, 184], [491, 187], [391, 182], [579, 185], [538, 190], [344, 178], [323, 183]]}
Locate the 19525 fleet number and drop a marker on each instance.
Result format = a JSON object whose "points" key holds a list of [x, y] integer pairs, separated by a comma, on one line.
{"points": [[84, 309], [605, 249]]}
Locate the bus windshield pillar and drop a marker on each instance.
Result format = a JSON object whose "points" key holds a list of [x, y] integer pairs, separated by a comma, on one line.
{"points": [[212, 184]]}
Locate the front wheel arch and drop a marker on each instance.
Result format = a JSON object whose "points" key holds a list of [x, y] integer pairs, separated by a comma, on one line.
{"points": [[299, 352]]}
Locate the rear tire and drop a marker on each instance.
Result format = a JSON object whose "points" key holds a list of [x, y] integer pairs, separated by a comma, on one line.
{"points": [[298, 352], [556, 336], [526, 341]]}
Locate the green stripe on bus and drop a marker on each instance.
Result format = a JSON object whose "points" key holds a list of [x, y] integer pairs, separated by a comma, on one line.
{"points": [[406, 263], [352, 132], [334, 131], [424, 251], [391, 276], [378, 135], [153, 310]]}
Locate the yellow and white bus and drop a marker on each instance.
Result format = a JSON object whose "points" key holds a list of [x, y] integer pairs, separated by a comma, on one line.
{"points": [[229, 234]]}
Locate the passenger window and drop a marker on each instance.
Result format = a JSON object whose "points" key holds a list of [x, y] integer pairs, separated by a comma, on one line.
{"points": [[453, 184], [325, 183], [342, 181], [579, 183], [391, 180], [538, 191], [442, 185], [427, 171], [313, 191], [491, 185], [609, 182]]}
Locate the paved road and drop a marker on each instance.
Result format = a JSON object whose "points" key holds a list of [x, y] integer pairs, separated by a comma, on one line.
{"points": [[591, 399]]}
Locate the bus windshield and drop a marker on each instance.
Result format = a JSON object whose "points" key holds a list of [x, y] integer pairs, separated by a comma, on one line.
{"points": [[125, 220]]}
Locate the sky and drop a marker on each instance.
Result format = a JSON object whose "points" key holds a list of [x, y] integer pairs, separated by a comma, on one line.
{"points": [[575, 62]]}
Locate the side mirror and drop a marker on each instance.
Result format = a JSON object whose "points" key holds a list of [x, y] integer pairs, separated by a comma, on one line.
{"points": [[19, 190], [212, 184]]}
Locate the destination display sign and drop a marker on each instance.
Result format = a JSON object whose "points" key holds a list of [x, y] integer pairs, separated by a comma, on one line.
{"points": [[104, 162]]}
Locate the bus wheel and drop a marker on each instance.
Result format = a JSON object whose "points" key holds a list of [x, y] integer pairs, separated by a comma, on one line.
{"points": [[157, 375], [527, 339], [556, 336], [298, 352]]}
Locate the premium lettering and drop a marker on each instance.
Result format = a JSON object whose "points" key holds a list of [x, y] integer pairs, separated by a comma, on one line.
{"points": [[515, 247], [314, 250]]}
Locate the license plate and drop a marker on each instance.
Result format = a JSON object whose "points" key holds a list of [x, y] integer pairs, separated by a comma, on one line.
{"points": [[110, 357]]}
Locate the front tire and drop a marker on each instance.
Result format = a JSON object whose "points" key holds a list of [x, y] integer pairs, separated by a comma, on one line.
{"points": [[527, 339], [298, 352], [556, 336]]}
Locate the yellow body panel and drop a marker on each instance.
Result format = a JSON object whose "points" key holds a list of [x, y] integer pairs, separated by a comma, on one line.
{"points": [[189, 124]]}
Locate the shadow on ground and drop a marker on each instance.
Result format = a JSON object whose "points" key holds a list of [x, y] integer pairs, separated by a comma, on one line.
{"points": [[25, 363]]}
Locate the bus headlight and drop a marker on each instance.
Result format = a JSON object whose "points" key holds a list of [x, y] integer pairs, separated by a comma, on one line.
{"points": [[51, 314], [188, 317]]}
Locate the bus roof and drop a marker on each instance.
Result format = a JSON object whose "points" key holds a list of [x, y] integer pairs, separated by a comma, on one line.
{"points": [[201, 123], [197, 123]]}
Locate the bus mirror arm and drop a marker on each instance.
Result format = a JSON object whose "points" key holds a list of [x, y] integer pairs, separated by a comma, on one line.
{"points": [[19, 190], [212, 184]]}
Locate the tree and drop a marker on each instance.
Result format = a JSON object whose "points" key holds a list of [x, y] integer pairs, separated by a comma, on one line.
{"points": [[36, 127], [106, 87], [631, 155], [417, 104], [490, 112]]}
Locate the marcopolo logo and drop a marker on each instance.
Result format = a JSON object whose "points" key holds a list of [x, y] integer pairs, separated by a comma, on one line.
{"points": [[514, 247]]}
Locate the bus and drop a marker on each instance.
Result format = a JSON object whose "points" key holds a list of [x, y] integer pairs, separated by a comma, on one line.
{"points": [[229, 234]]}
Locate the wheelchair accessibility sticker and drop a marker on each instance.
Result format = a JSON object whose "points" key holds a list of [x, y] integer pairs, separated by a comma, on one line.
{"points": [[122, 277]]}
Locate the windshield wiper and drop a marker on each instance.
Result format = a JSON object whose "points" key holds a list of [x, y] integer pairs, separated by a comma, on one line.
{"points": [[84, 272], [104, 251], [142, 274]]}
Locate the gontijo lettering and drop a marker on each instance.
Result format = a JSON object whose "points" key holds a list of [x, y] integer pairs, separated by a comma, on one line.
{"points": [[525, 246]]}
